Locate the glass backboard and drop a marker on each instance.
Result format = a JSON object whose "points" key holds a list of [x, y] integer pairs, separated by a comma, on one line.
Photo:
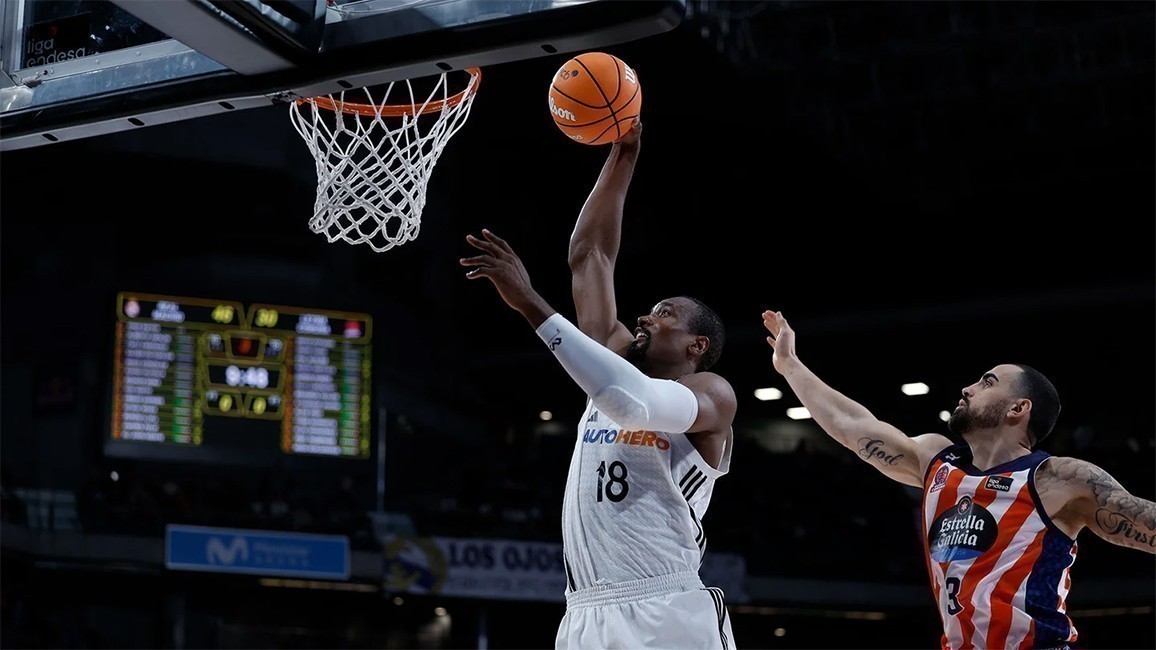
{"points": [[76, 69]]}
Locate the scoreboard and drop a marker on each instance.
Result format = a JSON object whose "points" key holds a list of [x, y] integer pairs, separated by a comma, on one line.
{"points": [[228, 377]]}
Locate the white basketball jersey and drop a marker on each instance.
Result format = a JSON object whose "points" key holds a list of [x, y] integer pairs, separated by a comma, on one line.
{"points": [[634, 503]]}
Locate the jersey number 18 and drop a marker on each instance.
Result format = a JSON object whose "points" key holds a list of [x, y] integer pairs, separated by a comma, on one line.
{"points": [[616, 487]]}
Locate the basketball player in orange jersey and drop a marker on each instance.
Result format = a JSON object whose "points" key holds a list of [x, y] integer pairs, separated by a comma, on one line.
{"points": [[1000, 520], [654, 438]]}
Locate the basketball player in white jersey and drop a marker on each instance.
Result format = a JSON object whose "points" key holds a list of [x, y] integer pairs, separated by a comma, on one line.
{"points": [[654, 438], [999, 519]]}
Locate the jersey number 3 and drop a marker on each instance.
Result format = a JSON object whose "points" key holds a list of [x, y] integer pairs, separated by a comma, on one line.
{"points": [[612, 482], [953, 606]]}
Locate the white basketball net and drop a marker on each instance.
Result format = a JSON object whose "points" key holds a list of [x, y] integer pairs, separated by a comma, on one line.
{"points": [[374, 158]]}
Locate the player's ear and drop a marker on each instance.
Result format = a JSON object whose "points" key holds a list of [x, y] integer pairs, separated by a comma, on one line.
{"points": [[698, 346], [1019, 410]]}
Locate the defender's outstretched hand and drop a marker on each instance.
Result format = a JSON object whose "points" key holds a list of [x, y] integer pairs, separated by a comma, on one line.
{"points": [[782, 339], [501, 265]]}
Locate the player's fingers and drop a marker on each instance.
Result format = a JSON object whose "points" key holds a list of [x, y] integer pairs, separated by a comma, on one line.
{"points": [[480, 272], [476, 260], [497, 240], [771, 341], [482, 244]]}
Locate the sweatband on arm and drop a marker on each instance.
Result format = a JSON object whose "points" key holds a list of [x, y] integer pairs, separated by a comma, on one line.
{"points": [[616, 387]]}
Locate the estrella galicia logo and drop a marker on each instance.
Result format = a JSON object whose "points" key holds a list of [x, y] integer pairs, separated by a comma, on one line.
{"points": [[962, 532], [999, 483]]}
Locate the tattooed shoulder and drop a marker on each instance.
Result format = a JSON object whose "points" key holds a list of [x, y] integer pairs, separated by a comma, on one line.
{"points": [[1109, 509], [1063, 468]]}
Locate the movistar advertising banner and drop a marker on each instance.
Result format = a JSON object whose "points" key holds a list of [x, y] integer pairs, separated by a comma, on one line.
{"points": [[258, 552]]}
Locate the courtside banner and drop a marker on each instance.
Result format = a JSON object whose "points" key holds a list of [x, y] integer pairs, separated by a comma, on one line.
{"points": [[257, 552], [509, 570]]}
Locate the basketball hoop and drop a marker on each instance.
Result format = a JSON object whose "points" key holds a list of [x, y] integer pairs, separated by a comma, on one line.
{"points": [[374, 158]]}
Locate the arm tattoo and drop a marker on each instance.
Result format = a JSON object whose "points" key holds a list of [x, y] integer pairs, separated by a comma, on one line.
{"points": [[1119, 517], [1116, 525], [875, 449]]}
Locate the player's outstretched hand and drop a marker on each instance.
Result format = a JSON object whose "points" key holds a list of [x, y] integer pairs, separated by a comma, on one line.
{"points": [[782, 339], [501, 265]]}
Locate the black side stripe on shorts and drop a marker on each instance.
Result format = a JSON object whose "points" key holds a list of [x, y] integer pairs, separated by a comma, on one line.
{"points": [[697, 526], [569, 574], [720, 610]]}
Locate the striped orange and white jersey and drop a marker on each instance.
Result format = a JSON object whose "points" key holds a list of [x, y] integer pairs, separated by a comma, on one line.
{"points": [[999, 566]]}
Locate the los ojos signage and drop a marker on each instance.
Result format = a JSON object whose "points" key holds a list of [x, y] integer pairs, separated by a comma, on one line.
{"points": [[507, 569]]}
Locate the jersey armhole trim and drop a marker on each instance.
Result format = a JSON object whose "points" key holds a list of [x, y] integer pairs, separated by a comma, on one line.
{"points": [[1040, 504], [931, 463], [704, 466]]}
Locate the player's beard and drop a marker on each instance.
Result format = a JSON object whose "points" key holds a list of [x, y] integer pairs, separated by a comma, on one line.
{"points": [[636, 353], [963, 421]]}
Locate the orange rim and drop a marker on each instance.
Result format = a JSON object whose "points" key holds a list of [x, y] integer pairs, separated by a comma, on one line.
{"points": [[396, 110]]}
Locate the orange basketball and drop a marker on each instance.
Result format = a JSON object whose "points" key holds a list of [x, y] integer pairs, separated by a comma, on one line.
{"points": [[594, 98]]}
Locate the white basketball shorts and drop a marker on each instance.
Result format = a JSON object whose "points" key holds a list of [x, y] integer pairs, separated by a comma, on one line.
{"points": [[668, 612]]}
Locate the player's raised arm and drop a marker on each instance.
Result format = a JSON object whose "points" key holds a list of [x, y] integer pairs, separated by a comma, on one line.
{"points": [[594, 246], [616, 386], [878, 443]]}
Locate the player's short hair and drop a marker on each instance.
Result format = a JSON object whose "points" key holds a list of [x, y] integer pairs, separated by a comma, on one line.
{"points": [[1045, 402], [705, 322]]}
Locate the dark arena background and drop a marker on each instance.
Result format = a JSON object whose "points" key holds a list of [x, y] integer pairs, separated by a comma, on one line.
{"points": [[220, 430]]}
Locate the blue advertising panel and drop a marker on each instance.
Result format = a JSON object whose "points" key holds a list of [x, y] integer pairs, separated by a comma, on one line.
{"points": [[258, 552]]}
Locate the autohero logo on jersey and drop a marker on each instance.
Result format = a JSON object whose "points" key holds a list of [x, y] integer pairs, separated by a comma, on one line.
{"points": [[624, 437], [962, 532]]}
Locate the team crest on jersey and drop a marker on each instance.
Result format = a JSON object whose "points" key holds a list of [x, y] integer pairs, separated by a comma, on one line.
{"points": [[962, 532], [940, 479]]}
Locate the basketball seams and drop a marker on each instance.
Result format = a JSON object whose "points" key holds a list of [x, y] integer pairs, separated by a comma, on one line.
{"points": [[567, 108], [582, 103], [579, 101], [617, 79], [595, 140], [581, 126], [602, 92], [594, 80], [637, 89]]}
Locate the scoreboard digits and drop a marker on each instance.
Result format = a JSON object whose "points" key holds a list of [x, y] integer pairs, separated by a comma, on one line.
{"points": [[184, 365]]}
